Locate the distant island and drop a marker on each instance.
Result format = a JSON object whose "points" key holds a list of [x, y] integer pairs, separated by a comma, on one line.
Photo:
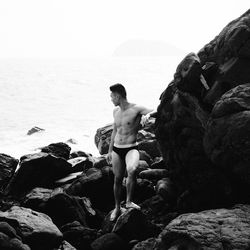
{"points": [[147, 48]]}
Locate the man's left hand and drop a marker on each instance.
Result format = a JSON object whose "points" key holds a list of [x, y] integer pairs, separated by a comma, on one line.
{"points": [[145, 119]]}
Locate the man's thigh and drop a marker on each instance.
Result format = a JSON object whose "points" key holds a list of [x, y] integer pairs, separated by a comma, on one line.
{"points": [[118, 165], [132, 159]]}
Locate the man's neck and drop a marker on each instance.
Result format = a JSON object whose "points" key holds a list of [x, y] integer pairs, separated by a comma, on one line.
{"points": [[124, 104]]}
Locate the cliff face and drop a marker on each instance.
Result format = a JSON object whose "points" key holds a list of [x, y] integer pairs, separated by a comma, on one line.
{"points": [[203, 121]]}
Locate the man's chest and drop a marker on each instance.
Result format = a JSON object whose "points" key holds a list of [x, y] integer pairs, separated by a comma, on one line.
{"points": [[125, 118]]}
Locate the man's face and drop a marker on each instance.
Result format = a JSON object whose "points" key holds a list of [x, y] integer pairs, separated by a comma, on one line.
{"points": [[114, 98]]}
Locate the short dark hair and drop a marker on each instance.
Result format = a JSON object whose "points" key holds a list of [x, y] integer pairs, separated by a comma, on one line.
{"points": [[119, 88]]}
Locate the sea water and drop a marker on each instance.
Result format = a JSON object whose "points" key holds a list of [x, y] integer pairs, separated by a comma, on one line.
{"points": [[70, 98]]}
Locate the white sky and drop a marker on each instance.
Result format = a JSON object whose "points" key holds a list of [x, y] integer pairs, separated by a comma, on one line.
{"points": [[58, 28]]}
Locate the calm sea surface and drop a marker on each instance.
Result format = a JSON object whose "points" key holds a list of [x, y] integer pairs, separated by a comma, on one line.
{"points": [[70, 98]]}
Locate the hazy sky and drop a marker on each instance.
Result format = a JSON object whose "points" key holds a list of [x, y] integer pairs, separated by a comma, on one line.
{"points": [[56, 28]]}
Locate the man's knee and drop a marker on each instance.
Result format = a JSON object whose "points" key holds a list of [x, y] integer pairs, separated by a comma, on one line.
{"points": [[131, 170]]}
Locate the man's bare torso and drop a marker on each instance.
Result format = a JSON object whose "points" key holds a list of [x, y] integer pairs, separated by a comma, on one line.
{"points": [[127, 123]]}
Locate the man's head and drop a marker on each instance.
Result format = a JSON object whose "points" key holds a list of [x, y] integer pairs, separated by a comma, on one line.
{"points": [[118, 92]]}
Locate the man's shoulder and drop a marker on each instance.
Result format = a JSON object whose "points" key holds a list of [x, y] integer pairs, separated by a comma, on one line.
{"points": [[136, 107]]}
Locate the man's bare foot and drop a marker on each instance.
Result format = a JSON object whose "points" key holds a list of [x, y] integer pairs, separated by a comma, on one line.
{"points": [[131, 204], [115, 213]]}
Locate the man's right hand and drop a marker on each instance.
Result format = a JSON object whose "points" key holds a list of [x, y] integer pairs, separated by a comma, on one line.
{"points": [[109, 157]]}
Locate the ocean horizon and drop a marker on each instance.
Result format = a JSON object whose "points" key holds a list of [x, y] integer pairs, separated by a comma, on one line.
{"points": [[70, 99]]}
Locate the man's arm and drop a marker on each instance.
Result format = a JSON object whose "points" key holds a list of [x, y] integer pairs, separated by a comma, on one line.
{"points": [[146, 114], [112, 138], [147, 111], [144, 110]]}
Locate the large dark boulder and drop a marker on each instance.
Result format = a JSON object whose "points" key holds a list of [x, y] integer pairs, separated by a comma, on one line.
{"points": [[210, 229], [133, 225], [37, 170], [37, 229], [64, 209], [227, 138], [96, 184], [109, 241], [8, 166], [186, 114], [59, 149], [78, 235], [37, 198], [9, 238], [147, 244], [144, 189]]}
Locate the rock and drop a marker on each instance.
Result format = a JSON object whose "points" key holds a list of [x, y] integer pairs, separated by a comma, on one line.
{"points": [[144, 135], [109, 241], [76, 154], [231, 44], [210, 229], [95, 184], [150, 147], [59, 149], [66, 246], [143, 165], [35, 130], [37, 229], [8, 230], [180, 131], [8, 166], [79, 236], [108, 225], [190, 100], [11, 243], [144, 189], [144, 156], [9, 239], [64, 209], [201, 196], [67, 179], [80, 164], [153, 174], [226, 140], [37, 198], [102, 138], [158, 163], [99, 162], [71, 141], [132, 224], [147, 244], [37, 170], [165, 188], [158, 211]]}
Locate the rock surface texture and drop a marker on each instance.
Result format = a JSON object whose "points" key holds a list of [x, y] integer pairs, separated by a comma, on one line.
{"points": [[210, 229], [203, 122]]}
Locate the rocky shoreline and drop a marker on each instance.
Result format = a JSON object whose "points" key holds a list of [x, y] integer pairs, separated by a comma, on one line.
{"points": [[192, 181]]}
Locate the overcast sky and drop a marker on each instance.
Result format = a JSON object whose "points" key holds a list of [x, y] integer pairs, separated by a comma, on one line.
{"points": [[56, 28]]}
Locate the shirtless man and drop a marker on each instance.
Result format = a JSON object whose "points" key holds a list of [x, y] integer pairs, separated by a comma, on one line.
{"points": [[123, 149]]}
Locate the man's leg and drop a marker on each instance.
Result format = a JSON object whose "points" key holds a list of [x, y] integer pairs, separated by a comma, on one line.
{"points": [[118, 170], [132, 162]]}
